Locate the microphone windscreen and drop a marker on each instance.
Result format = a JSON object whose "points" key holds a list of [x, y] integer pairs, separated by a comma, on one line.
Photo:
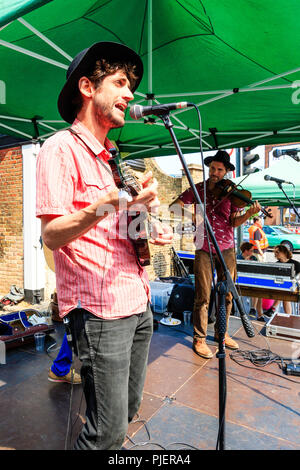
{"points": [[248, 327], [136, 111], [277, 153]]}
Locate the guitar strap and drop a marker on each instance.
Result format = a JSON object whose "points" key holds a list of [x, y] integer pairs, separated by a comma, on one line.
{"points": [[107, 168]]}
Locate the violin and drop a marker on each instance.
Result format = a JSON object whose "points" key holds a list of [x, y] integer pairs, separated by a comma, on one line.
{"points": [[240, 197]]}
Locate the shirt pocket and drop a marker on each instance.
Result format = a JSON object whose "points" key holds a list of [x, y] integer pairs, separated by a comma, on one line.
{"points": [[90, 188]]}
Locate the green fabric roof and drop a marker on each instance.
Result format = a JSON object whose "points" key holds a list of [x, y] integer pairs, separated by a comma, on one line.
{"points": [[238, 60], [267, 192], [12, 9]]}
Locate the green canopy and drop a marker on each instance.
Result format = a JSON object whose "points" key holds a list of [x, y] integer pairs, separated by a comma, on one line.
{"points": [[237, 60], [12, 9], [268, 193]]}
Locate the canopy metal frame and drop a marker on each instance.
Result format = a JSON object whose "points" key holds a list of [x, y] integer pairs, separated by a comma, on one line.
{"points": [[239, 137]]}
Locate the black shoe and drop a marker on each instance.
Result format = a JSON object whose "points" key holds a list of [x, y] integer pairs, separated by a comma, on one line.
{"points": [[252, 311], [260, 319], [269, 312]]}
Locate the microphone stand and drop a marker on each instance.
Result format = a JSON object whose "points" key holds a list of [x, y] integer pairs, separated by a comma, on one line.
{"points": [[223, 288], [287, 197]]}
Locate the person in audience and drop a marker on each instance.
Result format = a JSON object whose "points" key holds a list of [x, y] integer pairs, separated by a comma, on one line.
{"points": [[61, 370], [247, 250], [258, 239], [283, 255]]}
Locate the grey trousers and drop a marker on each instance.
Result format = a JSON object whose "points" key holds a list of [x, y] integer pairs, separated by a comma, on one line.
{"points": [[114, 356]]}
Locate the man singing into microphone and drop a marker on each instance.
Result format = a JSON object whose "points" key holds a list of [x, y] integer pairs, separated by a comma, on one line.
{"points": [[102, 288], [223, 216]]}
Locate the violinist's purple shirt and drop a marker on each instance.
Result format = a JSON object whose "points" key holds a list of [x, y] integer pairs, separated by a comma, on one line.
{"points": [[218, 213]]}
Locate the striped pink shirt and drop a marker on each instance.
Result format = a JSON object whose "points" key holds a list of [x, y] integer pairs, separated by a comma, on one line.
{"points": [[99, 270]]}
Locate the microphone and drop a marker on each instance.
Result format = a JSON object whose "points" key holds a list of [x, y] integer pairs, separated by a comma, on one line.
{"points": [[137, 111], [277, 180], [292, 152]]}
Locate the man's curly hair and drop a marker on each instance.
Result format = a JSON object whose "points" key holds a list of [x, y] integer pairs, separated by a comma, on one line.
{"points": [[101, 69]]}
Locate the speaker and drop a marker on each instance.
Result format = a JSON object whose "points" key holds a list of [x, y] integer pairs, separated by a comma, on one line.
{"points": [[181, 298]]}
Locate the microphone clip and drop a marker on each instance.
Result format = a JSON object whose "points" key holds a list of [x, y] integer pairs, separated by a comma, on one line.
{"points": [[150, 121]]}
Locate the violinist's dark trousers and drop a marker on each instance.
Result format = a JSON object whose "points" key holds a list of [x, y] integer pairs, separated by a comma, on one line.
{"points": [[203, 285], [114, 356]]}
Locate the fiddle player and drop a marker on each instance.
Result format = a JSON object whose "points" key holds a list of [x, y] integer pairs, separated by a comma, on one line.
{"points": [[223, 217], [102, 288]]}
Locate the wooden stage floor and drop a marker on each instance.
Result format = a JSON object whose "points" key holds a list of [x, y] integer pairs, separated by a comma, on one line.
{"points": [[180, 402]]}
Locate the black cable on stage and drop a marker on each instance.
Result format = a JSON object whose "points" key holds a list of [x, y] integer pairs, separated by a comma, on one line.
{"points": [[261, 358]]}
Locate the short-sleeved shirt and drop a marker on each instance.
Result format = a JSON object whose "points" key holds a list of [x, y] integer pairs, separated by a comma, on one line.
{"points": [[295, 263], [218, 213], [99, 271]]}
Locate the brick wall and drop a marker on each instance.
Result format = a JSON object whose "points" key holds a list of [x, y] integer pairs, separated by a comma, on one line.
{"points": [[169, 189], [11, 219]]}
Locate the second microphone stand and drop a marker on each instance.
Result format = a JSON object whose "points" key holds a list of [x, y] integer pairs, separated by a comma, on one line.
{"points": [[291, 202], [222, 288]]}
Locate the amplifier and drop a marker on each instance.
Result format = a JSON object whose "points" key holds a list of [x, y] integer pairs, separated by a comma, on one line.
{"points": [[267, 269], [266, 275], [284, 326], [181, 298]]}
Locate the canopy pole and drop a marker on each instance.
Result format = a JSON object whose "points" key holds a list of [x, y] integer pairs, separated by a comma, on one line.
{"points": [[32, 54], [221, 92], [150, 49], [36, 129], [14, 118], [44, 38], [15, 130]]}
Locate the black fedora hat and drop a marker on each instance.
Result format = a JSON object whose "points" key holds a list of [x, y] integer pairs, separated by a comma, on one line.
{"points": [[83, 62], [221, 156]]}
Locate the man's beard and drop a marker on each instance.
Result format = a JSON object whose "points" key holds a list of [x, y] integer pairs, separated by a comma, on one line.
{"points": [[106, 117], [215, 179]]}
